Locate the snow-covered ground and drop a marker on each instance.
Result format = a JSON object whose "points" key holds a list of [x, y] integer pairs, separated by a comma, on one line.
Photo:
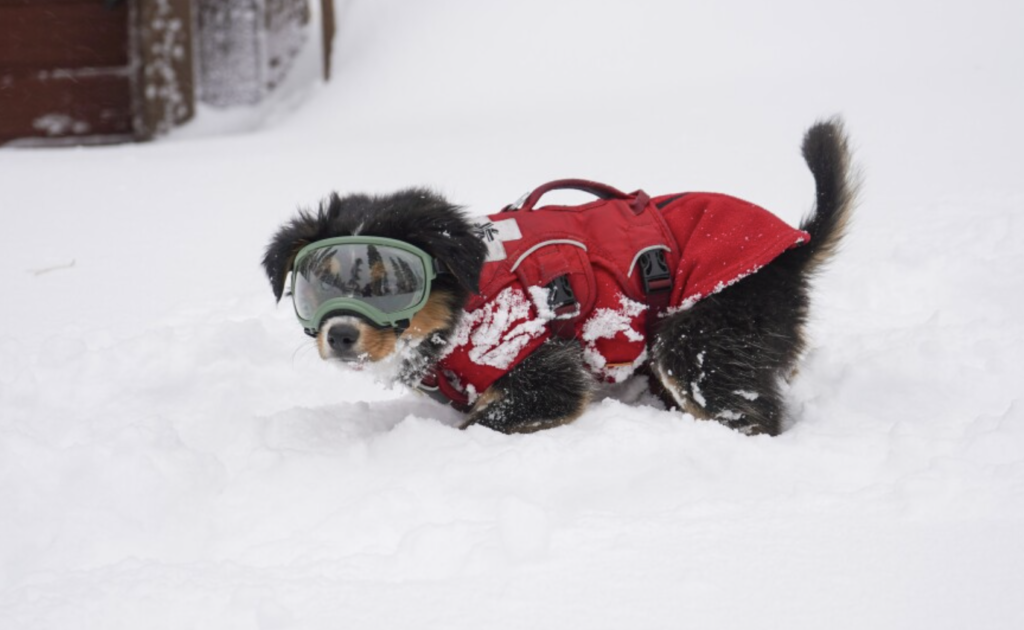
{"points": [[174, 455]]}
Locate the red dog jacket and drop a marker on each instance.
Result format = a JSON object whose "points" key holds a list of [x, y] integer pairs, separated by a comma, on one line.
{"points": [[598, 272]]}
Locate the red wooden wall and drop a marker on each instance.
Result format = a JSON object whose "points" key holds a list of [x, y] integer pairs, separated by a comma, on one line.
{"points": [[65, 69]]}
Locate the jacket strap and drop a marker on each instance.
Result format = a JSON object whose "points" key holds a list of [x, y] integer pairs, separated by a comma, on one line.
{"points": [[657, 280], [599, 190], [563, 304], [437, 386]]}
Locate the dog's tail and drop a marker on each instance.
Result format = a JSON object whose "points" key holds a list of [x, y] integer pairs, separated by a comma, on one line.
{"points": [[827, 154]]}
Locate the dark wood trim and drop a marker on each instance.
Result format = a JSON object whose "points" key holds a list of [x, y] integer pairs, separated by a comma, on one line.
{"points": [[329, 26]]}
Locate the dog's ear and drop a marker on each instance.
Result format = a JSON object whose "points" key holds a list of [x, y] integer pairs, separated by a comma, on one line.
{"points": [[307, 228], [277, 261], [463, 254]]}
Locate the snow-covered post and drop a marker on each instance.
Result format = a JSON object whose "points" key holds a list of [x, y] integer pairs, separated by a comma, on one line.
{"points": [[164, 84], [246, 47]]}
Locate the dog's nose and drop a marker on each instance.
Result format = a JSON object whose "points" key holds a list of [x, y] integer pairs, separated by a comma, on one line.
{"points": [[342, 339]]}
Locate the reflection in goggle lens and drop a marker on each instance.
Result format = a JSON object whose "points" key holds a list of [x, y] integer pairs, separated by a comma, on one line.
{"points": [[386, 278]]}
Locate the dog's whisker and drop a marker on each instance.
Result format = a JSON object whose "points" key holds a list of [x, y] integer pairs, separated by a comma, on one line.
{"points": [[304, 346]]}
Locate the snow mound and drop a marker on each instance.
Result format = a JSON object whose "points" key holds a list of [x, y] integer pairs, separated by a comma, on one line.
{"points": [[173, 453]]}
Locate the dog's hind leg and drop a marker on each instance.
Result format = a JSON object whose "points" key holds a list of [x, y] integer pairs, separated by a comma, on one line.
{"points": [[724, 358], [713, 378], [549, 388]]}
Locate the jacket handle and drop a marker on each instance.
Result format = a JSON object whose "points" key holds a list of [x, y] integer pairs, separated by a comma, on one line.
{"points": [[599, 190]]}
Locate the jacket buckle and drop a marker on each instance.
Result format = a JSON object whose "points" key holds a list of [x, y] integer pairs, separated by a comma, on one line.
{"points": [[561, 298], [655, 272]]}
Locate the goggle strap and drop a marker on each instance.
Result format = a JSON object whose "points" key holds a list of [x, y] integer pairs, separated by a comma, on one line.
{"points": [[401, 326]]}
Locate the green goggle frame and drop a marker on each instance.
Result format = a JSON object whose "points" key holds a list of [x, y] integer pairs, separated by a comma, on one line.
{"points": [[384, 280]]}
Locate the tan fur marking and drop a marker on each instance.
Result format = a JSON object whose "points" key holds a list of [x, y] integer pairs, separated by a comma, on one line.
{"points": [[434, 316], [695, 410], [494, 394], [376, 343], [321, 345], [675, 390], [490, 396], [830, 247], [550, 424]]}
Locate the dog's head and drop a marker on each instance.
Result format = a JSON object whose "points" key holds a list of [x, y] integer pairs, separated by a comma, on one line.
{"points": [[366, 270]]}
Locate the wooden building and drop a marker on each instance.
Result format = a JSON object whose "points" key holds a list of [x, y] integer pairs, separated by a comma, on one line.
{"points": [[103, 71]]}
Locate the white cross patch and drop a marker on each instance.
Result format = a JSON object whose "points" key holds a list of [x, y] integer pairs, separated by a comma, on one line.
{"points": [[494, 234]]}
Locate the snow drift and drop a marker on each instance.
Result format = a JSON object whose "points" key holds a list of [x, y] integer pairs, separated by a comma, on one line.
{"points": [[174, 455]]}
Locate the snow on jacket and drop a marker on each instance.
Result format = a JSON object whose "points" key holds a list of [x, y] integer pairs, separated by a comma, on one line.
{"points": [[710, 241]]}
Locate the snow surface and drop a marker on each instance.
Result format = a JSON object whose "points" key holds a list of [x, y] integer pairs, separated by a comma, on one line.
{"points": [[173, 453]]}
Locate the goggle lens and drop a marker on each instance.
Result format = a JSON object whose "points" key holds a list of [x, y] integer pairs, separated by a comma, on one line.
{"points": [[388, 279]]}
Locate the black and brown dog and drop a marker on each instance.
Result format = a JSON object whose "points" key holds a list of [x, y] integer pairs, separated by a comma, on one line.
{"points": [[723, 357]]}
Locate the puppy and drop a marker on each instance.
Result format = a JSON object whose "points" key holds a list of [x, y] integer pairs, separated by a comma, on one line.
{"points": [[511, 317]]}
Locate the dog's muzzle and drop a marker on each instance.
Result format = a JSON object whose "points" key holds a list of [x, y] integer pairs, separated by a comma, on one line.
{"points": [[343, 340]]}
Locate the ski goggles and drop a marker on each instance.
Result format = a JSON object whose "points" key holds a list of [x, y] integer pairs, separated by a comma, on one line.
{"points": [[382, 279]]}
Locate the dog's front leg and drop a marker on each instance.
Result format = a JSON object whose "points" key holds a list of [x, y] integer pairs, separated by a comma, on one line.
{"points": [[549, 388]]}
